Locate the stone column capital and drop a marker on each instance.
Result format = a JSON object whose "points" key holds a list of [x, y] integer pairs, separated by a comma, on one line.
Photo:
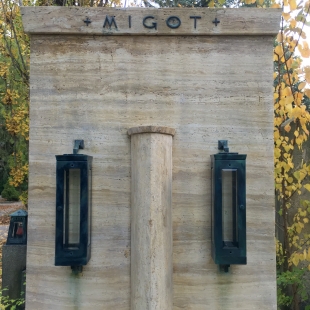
{"points": [[151, 129]]}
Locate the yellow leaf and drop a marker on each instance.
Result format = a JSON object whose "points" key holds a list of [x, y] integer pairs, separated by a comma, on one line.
{"points": [[296, 133], [307, 77], [278, 50], [297, 175], [276, 135], [278, 142], [289, 108], [295, 260], [287, 128], [306, 220], [304, 49], [289, 63], [289, 99], [292, 4], [302, 213], [286, 16], [289, 179], [307, 186], [293, 23], [303, 35], [287, 149], [287, 91], [280, 37], [302, 85], [277, 153]]}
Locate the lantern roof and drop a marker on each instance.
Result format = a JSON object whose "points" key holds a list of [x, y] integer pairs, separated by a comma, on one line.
{"points": [[19, 213]]}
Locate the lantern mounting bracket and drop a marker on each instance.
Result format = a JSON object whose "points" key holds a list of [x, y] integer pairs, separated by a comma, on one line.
{"points": [[223, 145], [225, 268], [77, 269], [78, 145]]}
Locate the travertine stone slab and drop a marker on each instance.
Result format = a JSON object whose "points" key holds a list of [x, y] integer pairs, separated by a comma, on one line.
{"points": [[95, 88], [139, 21], [151, 222]]}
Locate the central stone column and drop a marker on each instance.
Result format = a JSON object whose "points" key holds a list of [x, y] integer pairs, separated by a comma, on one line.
{"points": [[151, 224]]}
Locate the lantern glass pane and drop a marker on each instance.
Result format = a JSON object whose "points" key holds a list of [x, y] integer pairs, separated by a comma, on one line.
{"points": [[89, 203], [212, 204], [72, 209], [229, 196], [18, 230]]}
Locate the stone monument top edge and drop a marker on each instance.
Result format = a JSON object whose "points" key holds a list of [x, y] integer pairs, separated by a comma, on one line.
{"points": [[150, 21]]}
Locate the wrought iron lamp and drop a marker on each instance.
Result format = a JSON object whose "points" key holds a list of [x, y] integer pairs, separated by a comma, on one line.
{"points": [[228, 230], [73, 209], [17, 233]]}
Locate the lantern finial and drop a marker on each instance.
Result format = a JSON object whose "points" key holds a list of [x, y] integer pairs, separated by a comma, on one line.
{"points": [[223, 146], [78, 145]]}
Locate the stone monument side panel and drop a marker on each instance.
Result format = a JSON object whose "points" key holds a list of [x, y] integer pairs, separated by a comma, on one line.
{"points": [[96, 88]]}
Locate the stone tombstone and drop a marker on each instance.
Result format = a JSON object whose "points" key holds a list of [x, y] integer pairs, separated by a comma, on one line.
{"points": [[151, 91], [13, 274], [14, 258]]}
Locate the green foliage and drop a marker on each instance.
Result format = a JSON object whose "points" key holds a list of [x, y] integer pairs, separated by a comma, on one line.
{"points": [[10, 304], [6, 148], [10, 193], [287, 279]]}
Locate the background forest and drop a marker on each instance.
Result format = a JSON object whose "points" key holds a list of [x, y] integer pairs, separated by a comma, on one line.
{"points": [[291, 124]]}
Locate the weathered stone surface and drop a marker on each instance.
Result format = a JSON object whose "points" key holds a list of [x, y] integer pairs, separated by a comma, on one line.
{"points": [[96, 88]]}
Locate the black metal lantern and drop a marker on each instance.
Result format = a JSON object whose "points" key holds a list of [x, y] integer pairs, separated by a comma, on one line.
{"points": [[18, 228], [73, 209], [228, 207]]}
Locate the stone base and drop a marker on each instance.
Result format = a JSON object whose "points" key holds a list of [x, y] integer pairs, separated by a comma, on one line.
{"points": [[13, 265]]}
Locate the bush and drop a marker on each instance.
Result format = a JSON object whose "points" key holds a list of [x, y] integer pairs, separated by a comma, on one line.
{"points": [[10, 193], [3, 176], [11, 304]]}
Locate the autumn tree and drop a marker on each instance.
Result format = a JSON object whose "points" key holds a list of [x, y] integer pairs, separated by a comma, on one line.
{"points": [[14, 98], [291, 133]]}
